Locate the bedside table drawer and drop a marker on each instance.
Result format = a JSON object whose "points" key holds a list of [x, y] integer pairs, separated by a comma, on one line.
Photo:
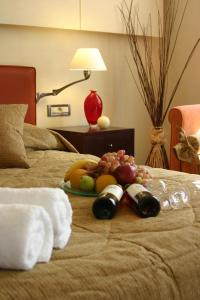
{"points": [[109, 142], [98, 142]]}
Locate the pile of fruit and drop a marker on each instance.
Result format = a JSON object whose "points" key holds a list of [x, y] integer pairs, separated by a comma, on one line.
{"points": [[112, 168]]}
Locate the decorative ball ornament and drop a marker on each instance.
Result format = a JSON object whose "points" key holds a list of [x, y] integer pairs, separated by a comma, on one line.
{"points": [[103, 122]]}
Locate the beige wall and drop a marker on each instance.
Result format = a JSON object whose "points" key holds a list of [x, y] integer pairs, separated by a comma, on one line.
{"points": [[189, 88], [50, 51]]}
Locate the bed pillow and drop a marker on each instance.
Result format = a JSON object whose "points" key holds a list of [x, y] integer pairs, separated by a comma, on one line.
{"points": [[44, 139], [12, 150], [40, 138]]}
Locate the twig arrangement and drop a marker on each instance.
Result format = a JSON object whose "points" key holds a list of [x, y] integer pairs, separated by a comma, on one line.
{"points": [[152, 81]]}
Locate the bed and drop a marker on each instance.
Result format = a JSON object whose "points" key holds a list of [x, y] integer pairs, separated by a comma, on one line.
{"points": [[123, 258]]}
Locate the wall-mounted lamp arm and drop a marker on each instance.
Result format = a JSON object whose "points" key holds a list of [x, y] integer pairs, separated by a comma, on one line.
{"points": [[55, 92]]}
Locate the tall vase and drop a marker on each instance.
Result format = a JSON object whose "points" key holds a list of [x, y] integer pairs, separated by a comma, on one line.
{"points": [[93, 108]]}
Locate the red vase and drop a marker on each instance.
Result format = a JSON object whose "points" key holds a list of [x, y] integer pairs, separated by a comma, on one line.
{"points": [[93, 107]]}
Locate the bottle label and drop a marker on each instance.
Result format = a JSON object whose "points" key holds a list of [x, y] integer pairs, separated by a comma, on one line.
{"points": [[113, 189], [135, 189]]}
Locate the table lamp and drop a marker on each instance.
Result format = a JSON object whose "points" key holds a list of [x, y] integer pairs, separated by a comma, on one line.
{"points": [[85, 59]]}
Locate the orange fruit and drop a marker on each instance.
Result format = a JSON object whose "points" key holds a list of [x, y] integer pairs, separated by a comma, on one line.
{"points": [[104, 180], [75, 177]]}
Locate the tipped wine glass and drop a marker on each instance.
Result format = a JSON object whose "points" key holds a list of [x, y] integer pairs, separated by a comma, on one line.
{"points": [[171, 194]]}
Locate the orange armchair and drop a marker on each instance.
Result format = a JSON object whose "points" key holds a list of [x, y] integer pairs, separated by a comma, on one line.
{"points": [[187, 117]]}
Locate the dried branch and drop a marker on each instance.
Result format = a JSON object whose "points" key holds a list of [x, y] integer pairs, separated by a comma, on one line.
{"points": [[153, 85]]}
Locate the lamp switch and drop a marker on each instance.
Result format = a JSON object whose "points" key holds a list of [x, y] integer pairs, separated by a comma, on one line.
{"points": [[58, 110]]}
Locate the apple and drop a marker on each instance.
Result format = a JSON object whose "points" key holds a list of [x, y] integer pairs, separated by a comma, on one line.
{"points": [[125, 174], [87, 183]]}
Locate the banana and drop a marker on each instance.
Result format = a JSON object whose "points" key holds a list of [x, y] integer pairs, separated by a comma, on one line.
{"points": [[79, 164]]}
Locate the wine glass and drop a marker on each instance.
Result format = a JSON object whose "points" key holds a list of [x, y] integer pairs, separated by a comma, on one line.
{"points": [[195, 189], [171, 194]]}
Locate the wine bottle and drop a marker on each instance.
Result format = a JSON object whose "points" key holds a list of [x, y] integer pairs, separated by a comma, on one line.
{"points": [[105, 205], [140, 199]]}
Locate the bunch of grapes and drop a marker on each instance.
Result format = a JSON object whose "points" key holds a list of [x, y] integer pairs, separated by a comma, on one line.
{"points": [[142, 176], [111, 160]]}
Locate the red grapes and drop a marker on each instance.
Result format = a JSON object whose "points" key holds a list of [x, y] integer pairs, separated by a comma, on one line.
{"points": [[111, 160]]}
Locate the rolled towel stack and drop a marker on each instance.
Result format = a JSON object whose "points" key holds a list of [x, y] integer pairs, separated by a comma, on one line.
{"points": [[53, 200], [26, 236]]}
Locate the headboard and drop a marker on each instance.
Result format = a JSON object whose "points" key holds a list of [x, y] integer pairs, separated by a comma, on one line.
{"points": [[18, 85]]}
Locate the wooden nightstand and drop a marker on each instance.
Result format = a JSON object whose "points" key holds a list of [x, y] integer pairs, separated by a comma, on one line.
{"points": [[99, 141]]}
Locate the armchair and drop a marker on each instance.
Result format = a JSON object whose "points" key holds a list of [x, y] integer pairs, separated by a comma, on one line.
{"points": [[187, 117]]}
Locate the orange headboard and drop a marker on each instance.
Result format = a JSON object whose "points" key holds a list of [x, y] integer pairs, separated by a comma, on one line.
{"points": [[18, 85]]}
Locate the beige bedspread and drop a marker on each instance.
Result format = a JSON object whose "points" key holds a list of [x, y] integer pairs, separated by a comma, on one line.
{"points": [[123, 258]]}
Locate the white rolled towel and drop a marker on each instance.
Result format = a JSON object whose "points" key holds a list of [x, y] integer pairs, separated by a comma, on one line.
{"points": [[54, 200], [26, 236]]}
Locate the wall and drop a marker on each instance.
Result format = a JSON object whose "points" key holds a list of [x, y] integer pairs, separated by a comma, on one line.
{"points": [[189, 88], [51, 50]]}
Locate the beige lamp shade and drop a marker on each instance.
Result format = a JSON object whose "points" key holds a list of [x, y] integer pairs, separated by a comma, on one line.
{"points": [[88, 59], [85, 59]]}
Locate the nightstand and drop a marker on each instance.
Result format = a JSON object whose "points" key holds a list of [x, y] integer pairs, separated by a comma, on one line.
{"points": [[99, 141]]}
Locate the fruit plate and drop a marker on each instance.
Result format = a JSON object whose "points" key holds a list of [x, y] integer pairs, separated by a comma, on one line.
{"points": [[67, 188]]}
